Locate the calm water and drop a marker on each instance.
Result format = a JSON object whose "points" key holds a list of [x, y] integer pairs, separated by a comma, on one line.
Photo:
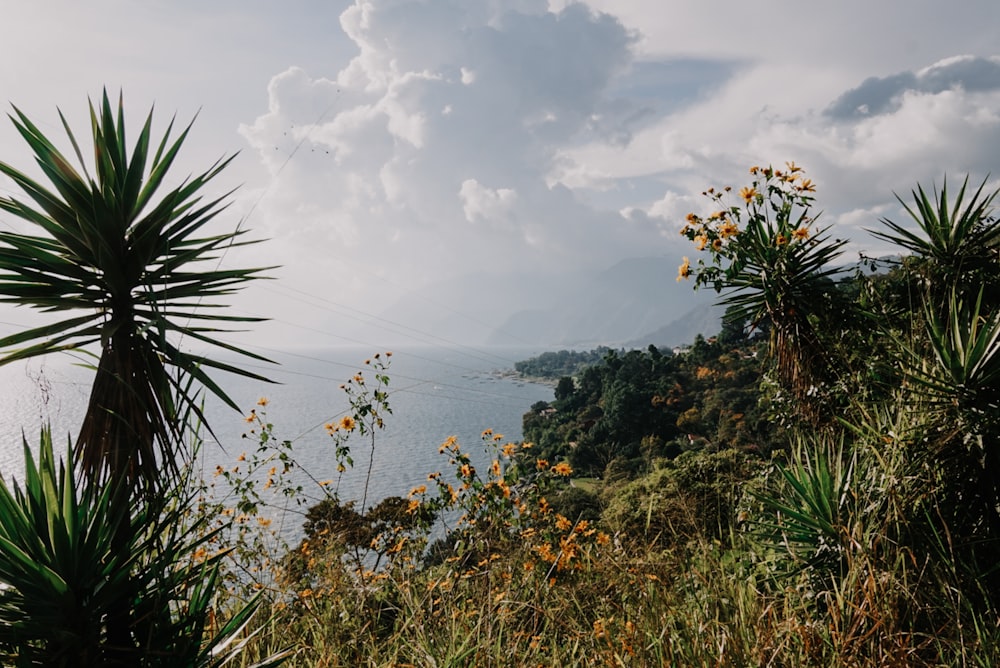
{"points": [[434, 393]]}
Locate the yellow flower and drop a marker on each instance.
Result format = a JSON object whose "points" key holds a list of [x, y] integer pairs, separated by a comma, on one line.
{"points": [[748, 194], [563, 523], [562, 468], [717, 245], [792, 167], [487, 432], [754, 170], [347, 423], [495, 468], [781, 240], [467, 471], [684, 270], [800, 234], [691, 218], [728, 229], [700, 242], [413, 506], [807, 186], [263, 401], [419, 489], [542, 464]]}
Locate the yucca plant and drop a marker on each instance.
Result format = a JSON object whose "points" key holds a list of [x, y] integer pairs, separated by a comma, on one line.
{"points": [[960, 240], [814, 521], [139, 270], [775, 271], [63, 576]]}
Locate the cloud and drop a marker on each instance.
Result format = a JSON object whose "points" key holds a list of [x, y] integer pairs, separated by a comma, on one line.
{"points": [[450, 113], [882, 95]]}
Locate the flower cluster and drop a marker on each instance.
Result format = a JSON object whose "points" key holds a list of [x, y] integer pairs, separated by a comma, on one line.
{"points": [[770, 213]]}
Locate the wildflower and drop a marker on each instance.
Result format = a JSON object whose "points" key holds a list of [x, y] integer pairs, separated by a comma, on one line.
{"points": [[781, 240], [800, 234], [269, 484], [527, 446], [325, 483], [792, 167], [264, 521], [748, 194], [728, 229], [603, 538], [806, 186], [754, 170], [495, 468], [543, 505], [542, 464], [450, 443], [419, 489], [305, 593], [717, 245], [581, 526], [700, 242], [599, 629], [347, 423], [413, 506], [263, 401], [684, 270], [242, 457], [508, 450], [487, 433], [251, 418], [562, 468], [563, 523], [467, 470], [497, 437], [691, 218]]}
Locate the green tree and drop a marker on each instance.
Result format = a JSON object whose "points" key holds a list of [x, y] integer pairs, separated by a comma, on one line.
{"points": [[133, 260]]}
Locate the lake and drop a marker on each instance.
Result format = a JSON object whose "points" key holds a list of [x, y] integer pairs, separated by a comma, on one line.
{"points": [[434, 393]]}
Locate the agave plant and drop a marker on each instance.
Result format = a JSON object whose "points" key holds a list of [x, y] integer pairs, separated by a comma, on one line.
{"points": [[814, 516], [958, 241], [139, 271], [64, 578]]}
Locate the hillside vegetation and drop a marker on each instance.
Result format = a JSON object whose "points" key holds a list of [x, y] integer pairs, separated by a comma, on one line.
{"points": [[818, 484], [815, 485]]}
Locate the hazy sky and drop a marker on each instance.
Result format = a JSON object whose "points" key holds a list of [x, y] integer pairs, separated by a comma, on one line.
{"points": [[388, 144]]}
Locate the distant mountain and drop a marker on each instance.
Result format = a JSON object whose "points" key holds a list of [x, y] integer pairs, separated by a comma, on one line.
{"points": [[631, 301], [636, 302], [704, 320]]}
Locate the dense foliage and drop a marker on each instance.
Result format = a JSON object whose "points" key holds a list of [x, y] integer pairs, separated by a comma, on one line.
{"points": [[818, 484]]}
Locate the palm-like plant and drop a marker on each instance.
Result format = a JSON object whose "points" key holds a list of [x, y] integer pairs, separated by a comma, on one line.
{"points": [[958, 243], [776, 270], [64, 578], [133, 260]]}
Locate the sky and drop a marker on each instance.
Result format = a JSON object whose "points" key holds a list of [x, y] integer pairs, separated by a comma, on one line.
{"points": [[418, 160]]}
